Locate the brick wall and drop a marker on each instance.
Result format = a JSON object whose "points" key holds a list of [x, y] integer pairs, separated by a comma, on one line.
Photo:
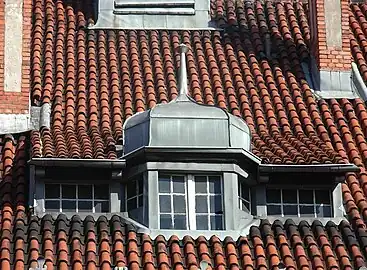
{"points": [[16, 101], [330, 51]]}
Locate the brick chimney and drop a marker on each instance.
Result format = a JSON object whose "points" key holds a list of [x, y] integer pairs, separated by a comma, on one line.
{"points": [[330, 47], [15, 46]]}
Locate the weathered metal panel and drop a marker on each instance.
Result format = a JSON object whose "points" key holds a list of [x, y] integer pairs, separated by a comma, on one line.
{"points": [[189, 132], [136, 137]]}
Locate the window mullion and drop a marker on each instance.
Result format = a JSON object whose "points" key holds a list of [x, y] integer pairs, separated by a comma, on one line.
{"points": [[191, 202]]}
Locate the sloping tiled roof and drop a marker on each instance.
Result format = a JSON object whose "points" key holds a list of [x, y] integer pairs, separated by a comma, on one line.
{"points": [[102, 243], [93, 80]]}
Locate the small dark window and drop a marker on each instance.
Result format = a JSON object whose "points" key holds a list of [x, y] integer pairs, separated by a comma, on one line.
{"points": [[299, 203], [134, 198], [77, 198], [244, 196]]}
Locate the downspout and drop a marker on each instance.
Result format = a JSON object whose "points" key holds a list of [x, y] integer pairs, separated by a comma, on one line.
{"points": [[32, 185]]}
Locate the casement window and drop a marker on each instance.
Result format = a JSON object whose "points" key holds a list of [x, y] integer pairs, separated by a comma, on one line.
{"points": [[191, 202], [313, 203], [93, 198], [244, 197], [134, 202]]}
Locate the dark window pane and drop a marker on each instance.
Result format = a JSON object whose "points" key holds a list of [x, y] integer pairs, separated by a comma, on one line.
{"points": [[216, 222], [179, 204], [140, 201], [84, 192], [245, 192], [165, 203], [131, 189], [274, 210], [85, 206], [201, 204], [68, 206], [202, 223], [68, 191], [101, 206], [131, 204], [305, 196], [200, 184], [166, 222], [322, 196], [216, 204], [52, 191], [180, 222], [215, 185], [52, 205], [323, 211], [140, 185], [273, 196], [289, 196], [245, 205], [178, 184], [290, 210], [101, 192], [307, 211], [164, 184]]}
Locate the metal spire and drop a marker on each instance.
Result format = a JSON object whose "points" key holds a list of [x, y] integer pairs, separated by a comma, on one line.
{"points": [[183, 72]]}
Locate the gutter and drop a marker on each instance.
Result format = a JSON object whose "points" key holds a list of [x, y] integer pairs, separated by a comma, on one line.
{"points": [[73, 162], [320, 168]]}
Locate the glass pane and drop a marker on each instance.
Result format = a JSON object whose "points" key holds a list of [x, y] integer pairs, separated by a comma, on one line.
{"points": [[164, 184], [215, 185], [85, 192], [52, 191], [179, 204], [178, 184], [68, 206], [180, 222], [216, 222], [85, 206], [131, 204], [200, 184], [244, 205], [52, 205], [273, 196], [165, 222], [140, 201], [131, 189], [165, 203], [201, 204], [101, 192], [290, 210], [307, 211], [274, 210], [101, 206], [202, 223], [140, 185], [68, 191], [216, 204], [289, 196], [245, 192], [306, 196], [322, 196], [323, 211]]}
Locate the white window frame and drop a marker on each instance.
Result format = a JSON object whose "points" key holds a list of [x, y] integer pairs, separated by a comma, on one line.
{"points": [[76, 199], [298, 204], [241, 199], [190, 198]]}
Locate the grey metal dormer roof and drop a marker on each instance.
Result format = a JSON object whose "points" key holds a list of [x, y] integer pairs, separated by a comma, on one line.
{"points": [[185, 123]]}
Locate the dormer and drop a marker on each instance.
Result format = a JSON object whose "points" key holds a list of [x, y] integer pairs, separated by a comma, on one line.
{"points": [[187, 163], [153, 14]]}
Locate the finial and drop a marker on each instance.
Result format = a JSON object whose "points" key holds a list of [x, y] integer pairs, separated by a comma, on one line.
{"points": [[183, 72]]}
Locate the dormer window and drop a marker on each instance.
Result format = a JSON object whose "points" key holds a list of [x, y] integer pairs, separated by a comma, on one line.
{"points": [[76, 198], [315, 203], [153, 14], [190, 202]]}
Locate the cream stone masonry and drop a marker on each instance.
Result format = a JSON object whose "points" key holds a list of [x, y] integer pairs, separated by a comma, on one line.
{"points": [[13, 45]]}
